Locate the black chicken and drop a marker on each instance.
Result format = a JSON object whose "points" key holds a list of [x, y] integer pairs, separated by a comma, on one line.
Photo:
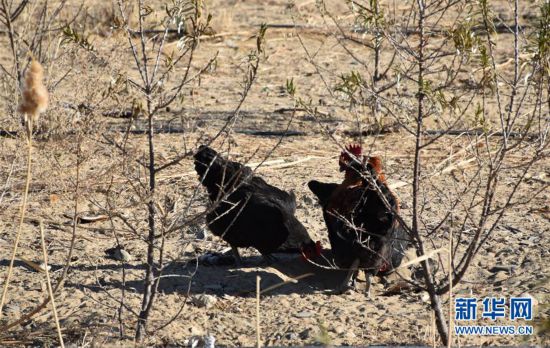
{"points": [[363, 230], [248, 212]]}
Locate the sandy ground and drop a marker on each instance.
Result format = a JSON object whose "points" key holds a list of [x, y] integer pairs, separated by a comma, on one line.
{"points": [[299, 312]]}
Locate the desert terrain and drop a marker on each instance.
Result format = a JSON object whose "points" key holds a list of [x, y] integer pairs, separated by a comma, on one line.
{"points": [[196, 300]]}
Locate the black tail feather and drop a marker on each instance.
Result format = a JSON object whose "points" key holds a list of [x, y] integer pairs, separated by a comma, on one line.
{"points": [[323, 191]]}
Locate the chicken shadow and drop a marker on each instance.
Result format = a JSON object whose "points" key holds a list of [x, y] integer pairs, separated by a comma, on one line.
{"points": [[288, 275]]}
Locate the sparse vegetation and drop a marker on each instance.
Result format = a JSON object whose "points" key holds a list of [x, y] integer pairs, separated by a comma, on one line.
{"points": [[454, 97]]}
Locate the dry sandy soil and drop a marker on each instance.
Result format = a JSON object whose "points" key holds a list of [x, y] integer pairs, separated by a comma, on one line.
{"points": [[297, 313]]}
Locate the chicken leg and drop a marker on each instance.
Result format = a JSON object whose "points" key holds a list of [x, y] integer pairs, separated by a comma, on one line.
{"points": [[368, 277], [238, 260], [349, 281]]}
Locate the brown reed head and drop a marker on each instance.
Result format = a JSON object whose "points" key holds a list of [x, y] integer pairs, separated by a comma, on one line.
{"points": [[34, 98]]}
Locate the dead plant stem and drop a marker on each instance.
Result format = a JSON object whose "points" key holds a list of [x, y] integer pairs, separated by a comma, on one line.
{"points": [[49, 285], [20, 226], [258, 334]]}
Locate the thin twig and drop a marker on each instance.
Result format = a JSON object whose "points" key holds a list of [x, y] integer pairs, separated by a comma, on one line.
{"points": [[450, 251], [258, 345], [49, 285], [21, 220], [61, 278]]}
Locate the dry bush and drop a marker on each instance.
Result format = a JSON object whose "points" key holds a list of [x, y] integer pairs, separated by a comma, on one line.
{"points": [[437, 77], [76, 135]]}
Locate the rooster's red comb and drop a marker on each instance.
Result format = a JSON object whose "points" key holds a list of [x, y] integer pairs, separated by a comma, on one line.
{"points": [[354, 149]]}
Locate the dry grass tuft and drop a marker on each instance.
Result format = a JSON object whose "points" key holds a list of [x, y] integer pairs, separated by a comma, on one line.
{"points": [[35, 95]]}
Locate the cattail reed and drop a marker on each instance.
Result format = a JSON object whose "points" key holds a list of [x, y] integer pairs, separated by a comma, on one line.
{"points": [[34, 99]]}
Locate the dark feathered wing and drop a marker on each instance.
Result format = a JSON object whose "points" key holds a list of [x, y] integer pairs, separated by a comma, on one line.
{"points": [[298, 236], [252, 213], [399, 243], [360, 226]]}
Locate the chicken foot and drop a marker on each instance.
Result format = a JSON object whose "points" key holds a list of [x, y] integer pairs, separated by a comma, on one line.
{"points": [[238, 260], [349, 281]]}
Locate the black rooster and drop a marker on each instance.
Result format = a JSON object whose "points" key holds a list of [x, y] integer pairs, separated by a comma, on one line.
{"points": [[363, 230], [248, 212]]}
